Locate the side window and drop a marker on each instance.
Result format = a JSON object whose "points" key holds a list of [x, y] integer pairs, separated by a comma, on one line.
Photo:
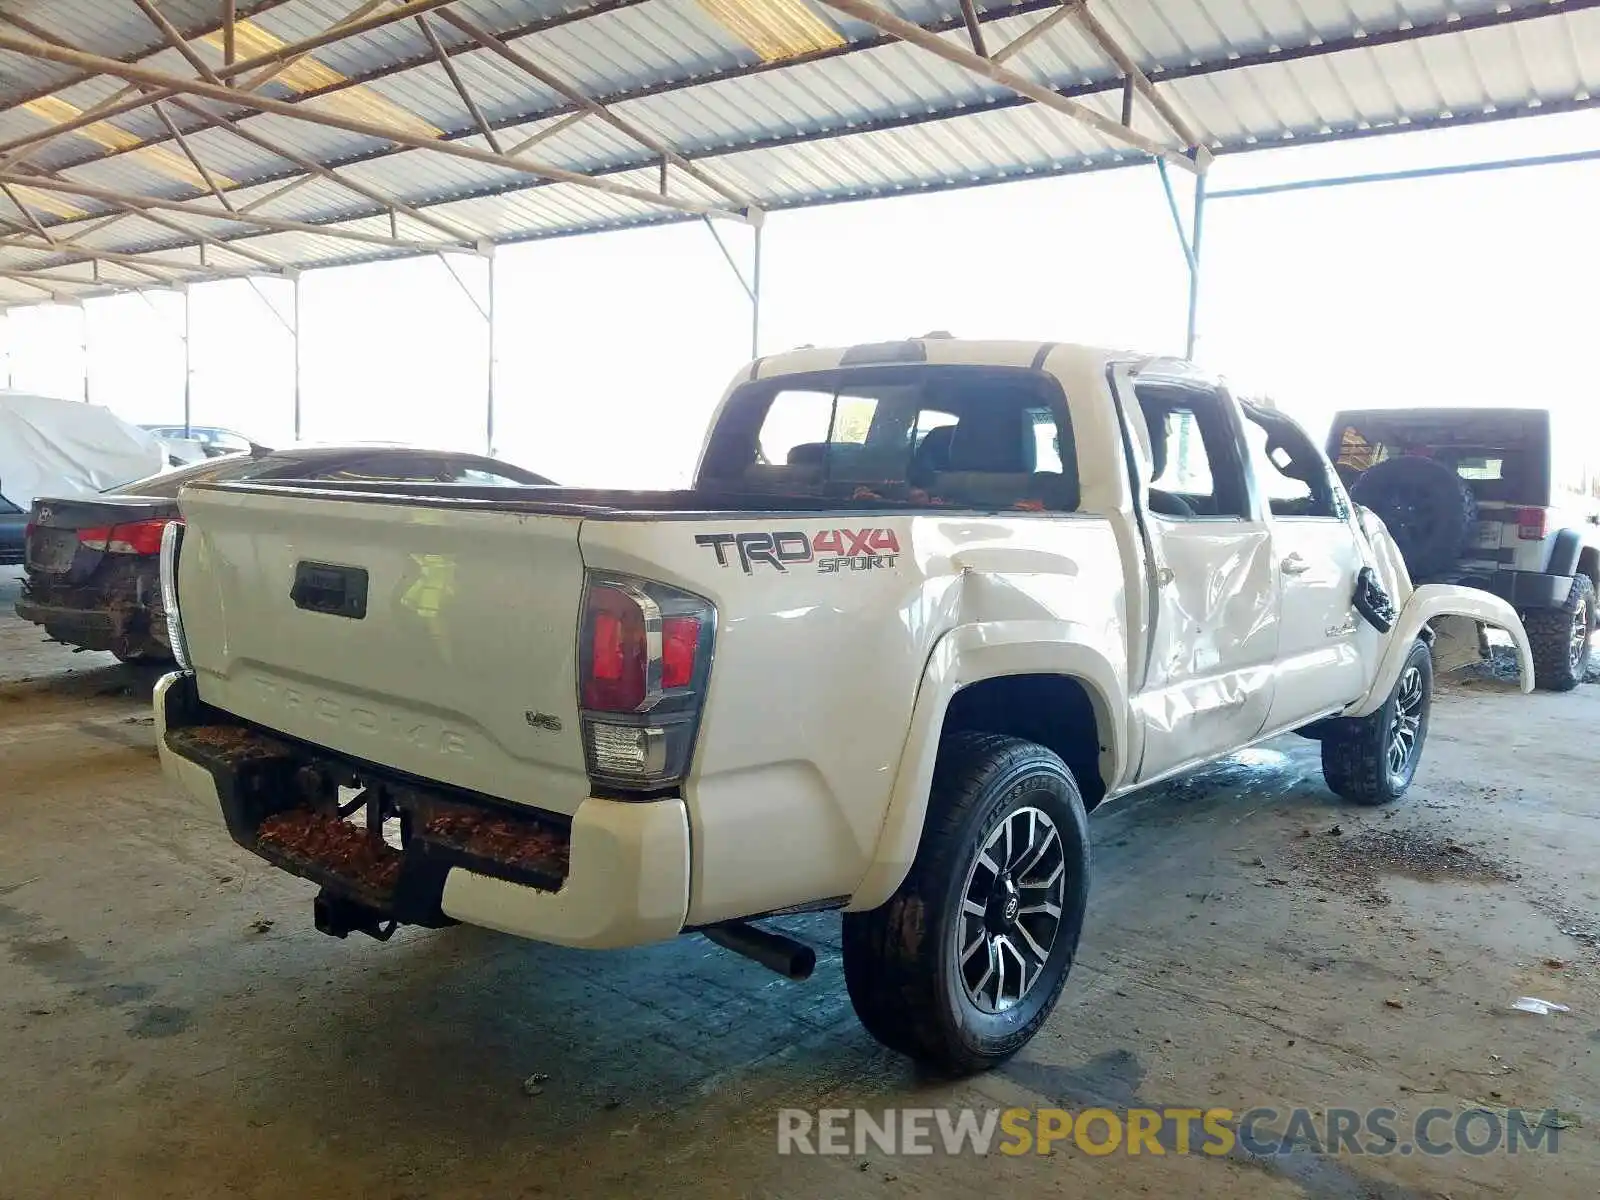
{"points": [[1187, 470], [1046, 440], [929, 419], [389, 468], [1195, 468], [799, 425], [479, 477], [1293, 479]]}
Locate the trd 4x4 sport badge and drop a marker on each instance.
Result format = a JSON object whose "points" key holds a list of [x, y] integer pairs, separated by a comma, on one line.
{"points": [[832, 550]]}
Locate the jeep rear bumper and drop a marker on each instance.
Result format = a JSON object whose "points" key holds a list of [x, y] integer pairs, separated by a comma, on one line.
{"points": [[1530, 589], [615, 874]]}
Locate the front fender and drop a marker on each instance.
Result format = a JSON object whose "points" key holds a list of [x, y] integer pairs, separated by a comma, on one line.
{"points": [[1426, 603], [968, 655]]}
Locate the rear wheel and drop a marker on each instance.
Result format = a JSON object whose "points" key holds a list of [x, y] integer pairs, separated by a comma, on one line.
{"points": [[1559, 638], [963, 964], [1373, 759]]}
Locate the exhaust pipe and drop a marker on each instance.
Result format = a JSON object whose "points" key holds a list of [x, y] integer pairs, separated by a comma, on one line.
{"points": [[789, 958], [338, 916]]}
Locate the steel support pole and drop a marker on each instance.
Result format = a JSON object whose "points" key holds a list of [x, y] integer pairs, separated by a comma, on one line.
{"points": [[1189, 240], [83, 338], [296, 334], [188, 368], [488, 316], [755, 297], [1196, 227]]}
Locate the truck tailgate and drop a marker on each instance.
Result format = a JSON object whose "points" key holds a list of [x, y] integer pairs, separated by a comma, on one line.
{"points": [[440, 643]]}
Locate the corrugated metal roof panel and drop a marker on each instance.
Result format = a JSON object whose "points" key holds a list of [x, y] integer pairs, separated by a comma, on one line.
{"points": [[876, 119]]}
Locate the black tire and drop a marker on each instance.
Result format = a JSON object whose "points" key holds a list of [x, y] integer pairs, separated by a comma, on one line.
{"points": [[902, 967], [1560, 661], [1429, 510], [1357, 752]]}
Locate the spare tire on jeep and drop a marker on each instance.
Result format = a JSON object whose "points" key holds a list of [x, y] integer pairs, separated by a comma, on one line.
{"points": [[1429, 509]]}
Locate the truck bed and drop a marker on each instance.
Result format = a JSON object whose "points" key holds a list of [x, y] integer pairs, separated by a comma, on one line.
{"points": [[588, 503]]}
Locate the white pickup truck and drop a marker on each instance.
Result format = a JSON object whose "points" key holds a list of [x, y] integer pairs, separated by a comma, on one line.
{"points": [[927, 603]]}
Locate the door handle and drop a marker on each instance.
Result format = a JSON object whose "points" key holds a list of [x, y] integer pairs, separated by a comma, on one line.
{"points": [[1294, 565]]}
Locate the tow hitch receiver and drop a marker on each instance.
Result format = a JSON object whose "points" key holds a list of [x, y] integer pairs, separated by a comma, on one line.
{"points": [[339, 916]]}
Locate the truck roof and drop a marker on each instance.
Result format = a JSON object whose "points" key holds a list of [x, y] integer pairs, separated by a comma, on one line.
{"points": [[940, 349]]}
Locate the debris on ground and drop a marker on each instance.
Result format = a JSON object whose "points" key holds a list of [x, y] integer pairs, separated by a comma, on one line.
{"points": [[1352, 864], [1391, 1002], [533, 1084], [261, 925], [1555, 964], [1540, 1008], [1501, 667]]}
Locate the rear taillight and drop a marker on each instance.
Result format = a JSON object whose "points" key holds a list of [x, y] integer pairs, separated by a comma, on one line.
{"points": [[680, 648], [1530, 524], [644, 657], [171, 542], [138, 537]]}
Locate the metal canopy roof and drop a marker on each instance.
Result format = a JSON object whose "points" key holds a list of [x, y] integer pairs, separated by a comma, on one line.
{"points": [[149, 142]]}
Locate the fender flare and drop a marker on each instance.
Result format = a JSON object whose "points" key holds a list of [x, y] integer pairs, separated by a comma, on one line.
{"points": [[970, 654], [1564, 553], [1433, 600]]}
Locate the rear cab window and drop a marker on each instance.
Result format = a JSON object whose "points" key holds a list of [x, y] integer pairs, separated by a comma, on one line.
{"points": [[993, 438]]}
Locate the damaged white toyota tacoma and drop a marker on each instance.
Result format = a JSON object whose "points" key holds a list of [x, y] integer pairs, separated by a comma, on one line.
{"points": [[927, 603]]}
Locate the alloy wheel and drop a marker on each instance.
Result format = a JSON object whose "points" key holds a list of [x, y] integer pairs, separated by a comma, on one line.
{"points": [[1406, 727], [1010, 910]]}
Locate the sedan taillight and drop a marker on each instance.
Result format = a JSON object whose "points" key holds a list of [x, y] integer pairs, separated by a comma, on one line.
{"points": [[644, 658], [136, 537]]}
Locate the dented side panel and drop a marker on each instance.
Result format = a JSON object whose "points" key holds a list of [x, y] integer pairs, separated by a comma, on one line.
{"points": [[825, 625], [1213, 658]]}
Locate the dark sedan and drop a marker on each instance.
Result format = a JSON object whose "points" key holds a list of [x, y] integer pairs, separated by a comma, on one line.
{"points": [[92, 562], [13, 526]]}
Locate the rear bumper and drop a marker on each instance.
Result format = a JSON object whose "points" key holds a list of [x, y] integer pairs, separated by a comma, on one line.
{"points": [[127, 631], [616, 874], [1530, 589]]}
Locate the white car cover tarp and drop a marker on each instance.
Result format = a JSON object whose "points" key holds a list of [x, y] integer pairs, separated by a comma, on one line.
{"points": [[51, 447]]}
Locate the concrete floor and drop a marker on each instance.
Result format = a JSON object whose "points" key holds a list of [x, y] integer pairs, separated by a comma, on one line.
{"points": [[171, 1025]]}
